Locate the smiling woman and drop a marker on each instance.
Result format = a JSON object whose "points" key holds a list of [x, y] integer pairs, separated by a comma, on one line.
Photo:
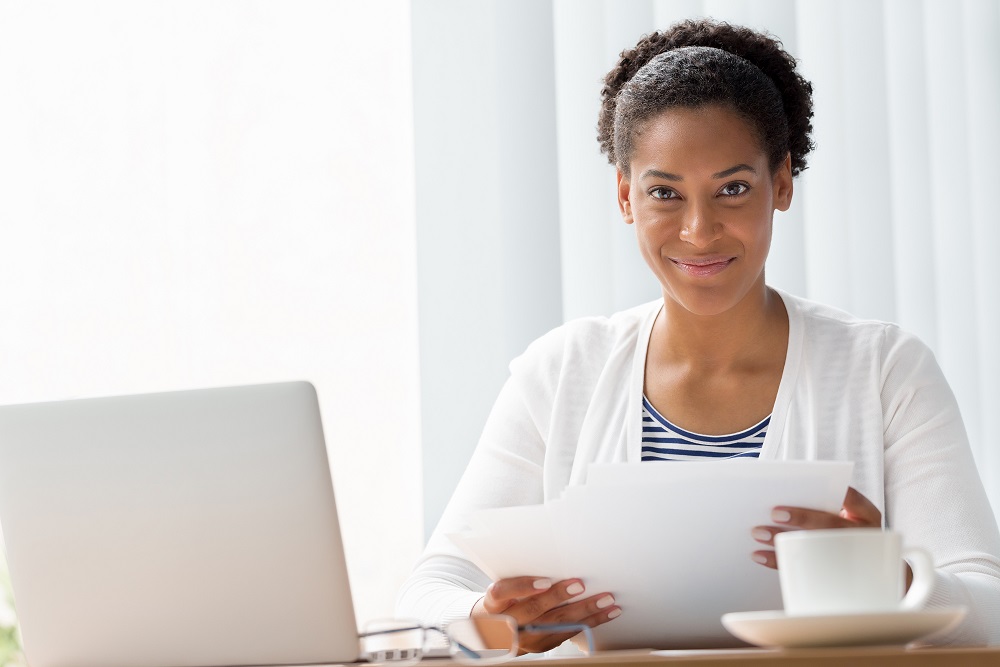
{"points": [[707, 124]]}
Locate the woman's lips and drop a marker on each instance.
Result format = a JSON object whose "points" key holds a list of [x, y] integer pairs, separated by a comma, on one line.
{"points": [[702, 266]]}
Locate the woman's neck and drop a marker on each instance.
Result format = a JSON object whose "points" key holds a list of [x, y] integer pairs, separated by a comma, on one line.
{"points": [[741, 338]]}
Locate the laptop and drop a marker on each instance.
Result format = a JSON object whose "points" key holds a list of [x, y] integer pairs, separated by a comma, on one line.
{"points": [[194, 528]]}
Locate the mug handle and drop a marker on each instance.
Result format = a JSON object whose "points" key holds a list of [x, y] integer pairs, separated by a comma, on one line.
{"points": [[923, 579]]}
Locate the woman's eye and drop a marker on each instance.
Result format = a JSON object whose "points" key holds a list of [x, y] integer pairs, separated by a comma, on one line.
{"points": [[663, 193], [734, 189]]}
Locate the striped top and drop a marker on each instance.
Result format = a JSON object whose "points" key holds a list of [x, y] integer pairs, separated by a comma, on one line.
{"points": [[662, 441]]}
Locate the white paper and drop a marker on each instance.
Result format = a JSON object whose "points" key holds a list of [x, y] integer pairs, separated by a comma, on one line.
{"points": [[670, 540]]}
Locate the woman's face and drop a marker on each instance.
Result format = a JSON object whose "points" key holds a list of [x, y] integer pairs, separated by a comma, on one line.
{"points": [[702, 196]]}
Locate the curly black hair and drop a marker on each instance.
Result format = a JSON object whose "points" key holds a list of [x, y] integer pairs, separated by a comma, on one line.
{"points": [[701, 62]]}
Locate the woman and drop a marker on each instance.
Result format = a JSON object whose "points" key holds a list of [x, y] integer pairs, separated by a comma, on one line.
{"points": [[707, 124]]}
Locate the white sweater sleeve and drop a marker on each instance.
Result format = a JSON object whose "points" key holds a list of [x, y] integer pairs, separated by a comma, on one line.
{"points": [[933, 492], [505, 470]]}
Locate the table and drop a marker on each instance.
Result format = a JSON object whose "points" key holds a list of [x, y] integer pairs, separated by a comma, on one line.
{"points": [[826, 657]]}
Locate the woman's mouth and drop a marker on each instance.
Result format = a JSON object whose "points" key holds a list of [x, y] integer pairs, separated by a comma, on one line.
{"points": [[703, 266]]}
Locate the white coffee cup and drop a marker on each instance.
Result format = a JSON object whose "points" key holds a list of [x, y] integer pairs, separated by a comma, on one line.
{"points": [[850, 570]]}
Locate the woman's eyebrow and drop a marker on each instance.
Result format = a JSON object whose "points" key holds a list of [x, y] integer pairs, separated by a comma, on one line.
{"points": [[733, 170], [666, 175], [656, 173]]}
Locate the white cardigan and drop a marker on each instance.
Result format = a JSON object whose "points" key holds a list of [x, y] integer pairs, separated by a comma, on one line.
{"points": [[851, 389]]}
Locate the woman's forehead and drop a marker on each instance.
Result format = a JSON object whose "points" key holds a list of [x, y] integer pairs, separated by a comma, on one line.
{"points": [[702, 139]]}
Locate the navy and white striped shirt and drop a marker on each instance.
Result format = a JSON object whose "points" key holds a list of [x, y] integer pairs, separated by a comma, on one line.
{"points": [[662, 441]]}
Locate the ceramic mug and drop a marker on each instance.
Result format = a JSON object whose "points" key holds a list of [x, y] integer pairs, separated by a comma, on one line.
{"points": [[850, 570]]}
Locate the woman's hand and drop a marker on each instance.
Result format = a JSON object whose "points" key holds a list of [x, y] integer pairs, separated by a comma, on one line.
{"points": [[533, 600], [858, 512]]}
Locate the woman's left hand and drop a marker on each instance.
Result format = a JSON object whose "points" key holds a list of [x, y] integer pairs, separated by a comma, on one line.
{"points": [[858, 512]]}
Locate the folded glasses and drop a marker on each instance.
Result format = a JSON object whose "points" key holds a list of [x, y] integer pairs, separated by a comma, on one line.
{"points": [[478, 640]]}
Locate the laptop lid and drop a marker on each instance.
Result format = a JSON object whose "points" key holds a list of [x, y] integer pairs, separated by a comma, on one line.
{"points": [[192, 528]]}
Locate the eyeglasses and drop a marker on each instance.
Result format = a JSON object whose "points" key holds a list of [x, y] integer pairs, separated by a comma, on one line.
{"points": [[479, 640]]}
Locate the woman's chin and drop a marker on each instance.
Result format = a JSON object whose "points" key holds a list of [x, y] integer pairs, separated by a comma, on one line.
{"points": [[707, 302]]}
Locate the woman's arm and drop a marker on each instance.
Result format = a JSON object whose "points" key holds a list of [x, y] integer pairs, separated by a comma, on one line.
{"points": [[505, 470], [933, 492]]}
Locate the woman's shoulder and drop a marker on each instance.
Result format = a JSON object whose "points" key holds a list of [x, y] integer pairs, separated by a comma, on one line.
{"points": [[824, 317], [595, 331], [591, 339], [825, 328]]}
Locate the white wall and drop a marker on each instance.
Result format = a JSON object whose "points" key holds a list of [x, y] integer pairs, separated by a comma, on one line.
{"points": [[487, 213], [200, 194]]}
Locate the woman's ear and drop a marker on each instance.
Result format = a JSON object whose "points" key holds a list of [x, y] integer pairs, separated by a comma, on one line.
{"points": [[623, 190], [782, 186]]}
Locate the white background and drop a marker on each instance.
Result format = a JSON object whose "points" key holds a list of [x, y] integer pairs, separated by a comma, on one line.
{"points": [[198, 194]]}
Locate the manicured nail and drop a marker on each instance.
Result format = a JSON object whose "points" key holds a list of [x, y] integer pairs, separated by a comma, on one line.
{"points": [[542, 584], [605, 602], [614, 613], [575, 588], [760, 534], [781, 516], [759, 558]]}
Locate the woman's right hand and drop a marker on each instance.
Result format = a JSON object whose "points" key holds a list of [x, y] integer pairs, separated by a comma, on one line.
{"points": [[534, 600]]}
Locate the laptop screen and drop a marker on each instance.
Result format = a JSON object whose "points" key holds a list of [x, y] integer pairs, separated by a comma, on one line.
{"points": [[185, 528]]}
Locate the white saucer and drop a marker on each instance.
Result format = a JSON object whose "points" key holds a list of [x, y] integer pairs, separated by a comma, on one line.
{"points": [[894, 628]]}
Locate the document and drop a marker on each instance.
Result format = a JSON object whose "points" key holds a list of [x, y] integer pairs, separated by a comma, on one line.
{"points": [[670, 540]]}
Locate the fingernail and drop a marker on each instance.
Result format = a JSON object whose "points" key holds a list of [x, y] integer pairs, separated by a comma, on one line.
{"points": [[542, 584], [605, 602], [614, 613], [759, 558], [575, 588], [781, 516], [760, 534]]}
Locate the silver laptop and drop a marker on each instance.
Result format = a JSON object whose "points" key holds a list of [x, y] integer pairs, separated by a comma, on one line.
{"points": [[193, 528]]}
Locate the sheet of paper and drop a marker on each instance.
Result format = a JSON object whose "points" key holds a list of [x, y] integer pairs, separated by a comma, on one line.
{"points": [[816, 484], [671, 541], [497, 540]]}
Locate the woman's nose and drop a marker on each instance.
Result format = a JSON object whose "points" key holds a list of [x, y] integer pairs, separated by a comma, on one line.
{"points": [[698, 227]]}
